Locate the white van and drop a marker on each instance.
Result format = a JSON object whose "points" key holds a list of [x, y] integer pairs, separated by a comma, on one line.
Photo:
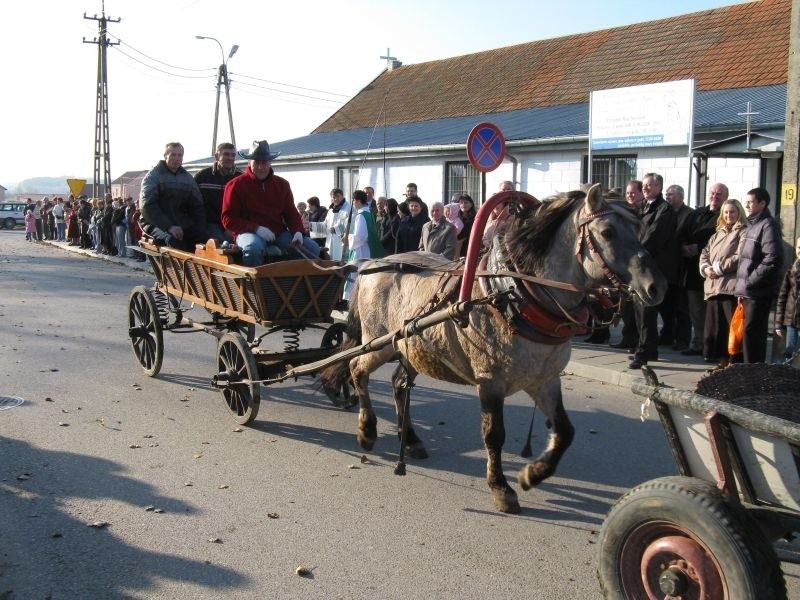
{"points": [[12, 214]]}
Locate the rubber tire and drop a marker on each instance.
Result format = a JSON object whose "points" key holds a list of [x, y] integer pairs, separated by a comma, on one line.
{"points": [[235, 357], [9, 223], [143, 312], [748, 564]]}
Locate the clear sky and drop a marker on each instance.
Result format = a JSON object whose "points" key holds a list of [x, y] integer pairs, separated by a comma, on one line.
{"points": [[297, 62]]}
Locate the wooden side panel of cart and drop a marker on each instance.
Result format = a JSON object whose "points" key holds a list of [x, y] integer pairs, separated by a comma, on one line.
{"points": [[281, 292]]}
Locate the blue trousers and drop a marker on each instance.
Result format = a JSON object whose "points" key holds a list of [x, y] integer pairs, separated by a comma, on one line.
{"points": [[254, 249]]}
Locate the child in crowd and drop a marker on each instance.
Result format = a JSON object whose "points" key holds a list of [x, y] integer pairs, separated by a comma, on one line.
{"points": [[30, 226], [787, 312]]}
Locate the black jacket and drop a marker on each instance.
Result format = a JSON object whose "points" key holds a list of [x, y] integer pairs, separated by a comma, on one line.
{"points": [[659, 238]]}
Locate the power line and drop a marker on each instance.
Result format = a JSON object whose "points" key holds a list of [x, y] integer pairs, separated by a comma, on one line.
{"points": [[233, 74], [133, 58], [290, 93], [292, 86], [159, 61]]}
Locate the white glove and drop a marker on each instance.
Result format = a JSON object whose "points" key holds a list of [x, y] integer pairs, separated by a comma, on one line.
{"points": [[297, 239], [265, 234]]}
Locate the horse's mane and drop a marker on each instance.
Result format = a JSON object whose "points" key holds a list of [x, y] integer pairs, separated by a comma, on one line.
{"points": [[529, 242]]}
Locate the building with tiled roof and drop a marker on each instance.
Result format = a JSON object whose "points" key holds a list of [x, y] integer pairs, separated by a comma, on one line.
{"points": [[538, 94]]}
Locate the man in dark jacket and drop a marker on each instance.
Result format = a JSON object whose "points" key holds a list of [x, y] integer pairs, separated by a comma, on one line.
{"points": [[172, 207], [211, 182], [695, 237], [760, 261], [657, 236]]}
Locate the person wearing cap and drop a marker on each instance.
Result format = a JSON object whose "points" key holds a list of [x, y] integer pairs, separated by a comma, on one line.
{"points": [[258, 207], [172, 206]]}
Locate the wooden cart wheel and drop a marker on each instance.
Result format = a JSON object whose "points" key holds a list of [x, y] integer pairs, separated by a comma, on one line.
{"points": [[344, 397], [682, 537], [236, 369], [145, 330]]}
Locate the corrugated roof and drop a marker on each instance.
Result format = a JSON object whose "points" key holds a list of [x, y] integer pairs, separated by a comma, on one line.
{"points": [[715, 109], [739, 46]]}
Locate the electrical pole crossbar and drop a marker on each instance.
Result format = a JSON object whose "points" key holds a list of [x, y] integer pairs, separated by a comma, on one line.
{"points": [[102, 144]]}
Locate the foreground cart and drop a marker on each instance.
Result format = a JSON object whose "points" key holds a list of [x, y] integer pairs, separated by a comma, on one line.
{"points": [[284, 297], [708, 533]]}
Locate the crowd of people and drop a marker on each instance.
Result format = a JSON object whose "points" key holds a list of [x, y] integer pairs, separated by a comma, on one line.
{"points": [[106, 225], [715, 258]]}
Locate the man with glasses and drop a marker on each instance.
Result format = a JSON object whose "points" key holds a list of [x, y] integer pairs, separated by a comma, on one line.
{"points": [[759, 273], [211, 182]]}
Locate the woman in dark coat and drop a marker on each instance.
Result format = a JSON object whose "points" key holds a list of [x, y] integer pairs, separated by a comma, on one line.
{"points": [[389, 225], [409, 232], [467, 214]]}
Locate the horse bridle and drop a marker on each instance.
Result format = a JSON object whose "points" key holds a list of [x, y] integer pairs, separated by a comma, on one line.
{"points": [[586, 240]]}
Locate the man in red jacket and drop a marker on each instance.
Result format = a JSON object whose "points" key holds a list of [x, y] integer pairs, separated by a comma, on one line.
{"points": [[258, 207]]}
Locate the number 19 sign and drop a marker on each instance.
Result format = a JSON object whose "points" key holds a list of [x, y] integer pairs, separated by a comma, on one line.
{"points": [[486, 147]]}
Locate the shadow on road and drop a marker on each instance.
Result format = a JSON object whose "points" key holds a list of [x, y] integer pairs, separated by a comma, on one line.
{"points": [[48, 550]]}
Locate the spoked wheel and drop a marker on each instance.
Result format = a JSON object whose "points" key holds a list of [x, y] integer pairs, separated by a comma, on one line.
{"points": [[145, 330], [236, 369], [679, 537], [345, 396]]}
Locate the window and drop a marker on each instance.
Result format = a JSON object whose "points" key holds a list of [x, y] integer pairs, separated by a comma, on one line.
{"points": [[347, 181], [462, 177], [611, 171]]}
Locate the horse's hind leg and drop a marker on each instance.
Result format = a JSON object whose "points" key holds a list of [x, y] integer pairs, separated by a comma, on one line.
{"points": [[360, 369], [494, 436], [561, 434], [402, 381]]}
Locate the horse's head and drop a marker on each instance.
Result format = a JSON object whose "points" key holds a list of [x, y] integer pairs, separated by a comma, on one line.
{"points": [[607, 245]]}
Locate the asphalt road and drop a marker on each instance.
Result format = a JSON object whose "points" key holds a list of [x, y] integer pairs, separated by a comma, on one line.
{"points": [[194, 506]]}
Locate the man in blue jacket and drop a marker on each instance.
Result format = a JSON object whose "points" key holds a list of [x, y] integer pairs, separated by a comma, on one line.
{"points": [[759, 273]]}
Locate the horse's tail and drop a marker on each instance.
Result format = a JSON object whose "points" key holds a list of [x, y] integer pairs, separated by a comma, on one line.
{"points": [[334, 379]]}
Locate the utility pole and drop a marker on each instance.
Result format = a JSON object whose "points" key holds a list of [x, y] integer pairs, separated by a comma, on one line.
{"points": [[222, 81], [102, 144], [791, 138]]}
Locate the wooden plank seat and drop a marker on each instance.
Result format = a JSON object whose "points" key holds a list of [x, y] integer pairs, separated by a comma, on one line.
{"points": [[282, 292]]}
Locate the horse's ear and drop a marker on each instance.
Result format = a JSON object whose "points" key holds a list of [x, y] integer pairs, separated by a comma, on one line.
{"points": [[594, 198]]}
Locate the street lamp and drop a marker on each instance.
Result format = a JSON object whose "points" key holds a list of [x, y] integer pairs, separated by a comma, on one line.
{"points": [[222, 80]]}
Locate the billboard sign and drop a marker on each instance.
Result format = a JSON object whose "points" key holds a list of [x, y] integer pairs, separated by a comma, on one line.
{"points": [[642, 116]]}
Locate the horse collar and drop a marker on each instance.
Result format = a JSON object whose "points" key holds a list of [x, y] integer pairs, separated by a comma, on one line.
{"points": [[525, 313]]}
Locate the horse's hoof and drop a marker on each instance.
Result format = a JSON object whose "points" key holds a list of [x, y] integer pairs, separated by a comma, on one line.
{"points": [[506, 501], [417, 451], [367, 443], [342, 402], [532, 475]]}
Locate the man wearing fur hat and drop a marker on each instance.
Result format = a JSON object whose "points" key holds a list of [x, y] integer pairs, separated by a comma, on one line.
{"points": [[258, 207]]}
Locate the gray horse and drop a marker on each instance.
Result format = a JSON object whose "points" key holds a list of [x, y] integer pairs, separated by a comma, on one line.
{"points": [[581, 241]]}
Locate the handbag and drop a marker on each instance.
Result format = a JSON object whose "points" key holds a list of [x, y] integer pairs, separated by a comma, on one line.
{"points": [[736, 332]]}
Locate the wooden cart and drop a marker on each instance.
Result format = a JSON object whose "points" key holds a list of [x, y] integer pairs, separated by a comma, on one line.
{"points": [[287, 297]]}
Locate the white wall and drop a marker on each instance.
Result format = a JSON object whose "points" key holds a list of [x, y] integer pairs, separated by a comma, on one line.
{"points": [[739, 174], [539, 173]]}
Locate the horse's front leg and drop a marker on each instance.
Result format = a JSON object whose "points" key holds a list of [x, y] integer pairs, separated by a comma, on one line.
{"points": [[494, 436], [402, 382], [561, 434]]}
